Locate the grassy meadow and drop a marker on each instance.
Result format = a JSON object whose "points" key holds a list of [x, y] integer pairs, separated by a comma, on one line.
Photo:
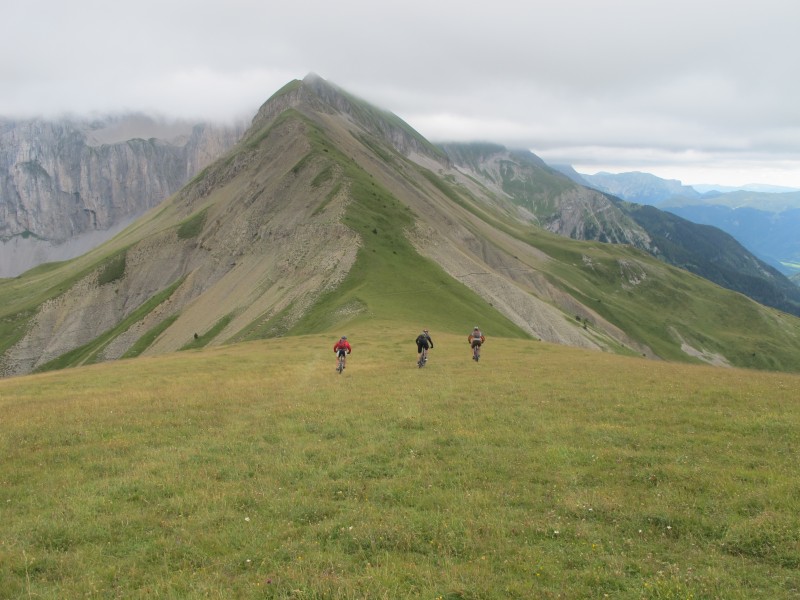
{"points": [[255, 471]]}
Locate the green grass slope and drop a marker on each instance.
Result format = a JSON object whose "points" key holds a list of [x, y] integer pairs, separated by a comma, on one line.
{"points": [[255, 471], [22, 295], [668, 308]]}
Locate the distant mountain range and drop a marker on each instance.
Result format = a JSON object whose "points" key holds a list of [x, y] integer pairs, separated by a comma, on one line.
{"points": [[642, 188], [765, 219], [750, 187], [330, 213]]}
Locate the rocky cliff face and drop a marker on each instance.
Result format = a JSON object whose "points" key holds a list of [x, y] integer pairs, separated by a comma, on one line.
{"points": [[66, 185]]}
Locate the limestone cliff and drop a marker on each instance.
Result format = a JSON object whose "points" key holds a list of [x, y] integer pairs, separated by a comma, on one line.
{"points": [[66, 186]]}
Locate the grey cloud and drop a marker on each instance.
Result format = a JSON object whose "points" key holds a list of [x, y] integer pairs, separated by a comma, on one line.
{"points": [[704, 80]]}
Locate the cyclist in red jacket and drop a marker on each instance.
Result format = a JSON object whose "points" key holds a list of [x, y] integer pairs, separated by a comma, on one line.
{"points": [[342, 348]]}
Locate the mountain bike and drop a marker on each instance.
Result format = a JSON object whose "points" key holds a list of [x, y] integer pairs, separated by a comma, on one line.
{"points": [[476, 352], [423, 358], [340, 363]]}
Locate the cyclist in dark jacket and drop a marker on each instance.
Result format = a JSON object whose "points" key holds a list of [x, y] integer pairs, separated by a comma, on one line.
{"points": [[424, 342]]}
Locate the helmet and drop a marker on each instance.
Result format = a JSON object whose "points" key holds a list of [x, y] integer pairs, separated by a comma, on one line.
{"points": [[476, 328], [424, 331], [344, 337]]}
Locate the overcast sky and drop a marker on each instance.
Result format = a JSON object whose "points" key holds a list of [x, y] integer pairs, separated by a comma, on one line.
{"points": [[704, 91]]}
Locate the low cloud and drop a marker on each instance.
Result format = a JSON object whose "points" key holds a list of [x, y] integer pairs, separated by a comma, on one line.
{"points": [[679, 81]]}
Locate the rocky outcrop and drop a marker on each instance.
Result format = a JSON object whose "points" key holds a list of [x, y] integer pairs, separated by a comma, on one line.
{"points": [[68, 185], [317, 94]]}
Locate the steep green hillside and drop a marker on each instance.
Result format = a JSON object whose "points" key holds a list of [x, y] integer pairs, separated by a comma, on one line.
{"points": [[255, 471], [557, 202], [770, 236], [717, 256], [390, 281], [678, 315]]}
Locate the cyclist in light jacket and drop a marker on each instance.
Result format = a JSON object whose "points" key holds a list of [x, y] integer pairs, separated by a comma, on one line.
{"points": [[476, 338]]}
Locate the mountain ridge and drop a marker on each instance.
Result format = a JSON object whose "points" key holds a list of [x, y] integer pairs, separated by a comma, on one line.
{"points": [[318, 219]]}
